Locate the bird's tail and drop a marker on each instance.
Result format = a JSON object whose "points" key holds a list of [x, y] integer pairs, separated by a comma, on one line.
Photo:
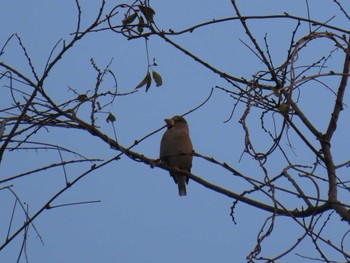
{"points": [[182, 187]]}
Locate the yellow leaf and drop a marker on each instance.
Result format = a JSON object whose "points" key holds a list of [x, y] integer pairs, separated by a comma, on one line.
{"points": [[282, 107]]}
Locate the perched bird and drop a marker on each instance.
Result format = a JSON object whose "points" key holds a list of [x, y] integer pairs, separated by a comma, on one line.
{"points": [[176, 149]]}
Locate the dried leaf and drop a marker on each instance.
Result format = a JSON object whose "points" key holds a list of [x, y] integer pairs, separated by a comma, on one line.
{"points": [[82, 98], [2, 127], [129, 19], [98, 105], [147, 80], [154, 62], [157, 78], [111, 118], [141, 25], [147, 12]]}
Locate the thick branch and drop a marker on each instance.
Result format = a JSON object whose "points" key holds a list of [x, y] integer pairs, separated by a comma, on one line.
{"points": [[338, 107], [154, 163], [326, 144]]}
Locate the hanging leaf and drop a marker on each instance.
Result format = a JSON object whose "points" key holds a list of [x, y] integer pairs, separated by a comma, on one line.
{"points": [[157, 78], [98, 105], [140, 25], [147, 12], [146, 81], [82, 98], [149, 81], [111, 118], [129, 19], [2, 127]]}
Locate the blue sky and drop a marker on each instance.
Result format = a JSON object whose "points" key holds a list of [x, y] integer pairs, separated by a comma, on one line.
{"points": [[140, 217]]}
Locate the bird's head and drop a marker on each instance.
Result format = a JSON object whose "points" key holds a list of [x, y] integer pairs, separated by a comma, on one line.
{"points": [[175, 120]]}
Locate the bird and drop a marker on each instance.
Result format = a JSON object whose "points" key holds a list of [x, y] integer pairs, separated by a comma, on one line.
{"points": [[176, 150]]}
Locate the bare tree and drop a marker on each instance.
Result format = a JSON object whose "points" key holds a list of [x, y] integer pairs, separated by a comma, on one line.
{"points": [[310, 187]]}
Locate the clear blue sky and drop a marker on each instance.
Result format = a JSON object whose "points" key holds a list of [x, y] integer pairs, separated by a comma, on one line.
{"points": [[140, 217]]}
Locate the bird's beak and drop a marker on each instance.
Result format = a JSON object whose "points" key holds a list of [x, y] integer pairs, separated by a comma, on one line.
{"points": [[169, 122]]}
